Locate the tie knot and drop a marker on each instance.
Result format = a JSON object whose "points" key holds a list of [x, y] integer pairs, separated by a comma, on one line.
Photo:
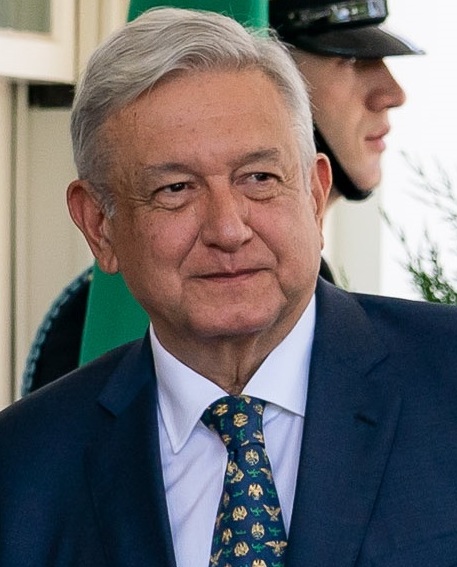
{"points": [[237, 420]]}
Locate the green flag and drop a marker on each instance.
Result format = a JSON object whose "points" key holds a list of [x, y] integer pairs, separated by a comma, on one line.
{"points": [[113, 316], [248, 12]]}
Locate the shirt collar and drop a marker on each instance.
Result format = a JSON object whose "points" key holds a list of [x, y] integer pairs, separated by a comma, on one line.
{"points": [[282, 379]]}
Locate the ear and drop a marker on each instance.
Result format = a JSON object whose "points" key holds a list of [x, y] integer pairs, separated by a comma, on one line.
{"points": [[321, 184], [89, 216]]}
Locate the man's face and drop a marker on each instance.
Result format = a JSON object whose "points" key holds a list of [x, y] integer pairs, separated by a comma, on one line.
{"points": [[216, 232], [351, 100]]}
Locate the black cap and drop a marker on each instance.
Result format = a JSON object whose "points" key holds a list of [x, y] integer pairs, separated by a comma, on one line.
{"points": [[348, 28]]}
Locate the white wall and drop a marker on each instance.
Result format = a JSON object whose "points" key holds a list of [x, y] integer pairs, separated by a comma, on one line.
{"points": [[48, 251], [425, 128], [5, 243]]}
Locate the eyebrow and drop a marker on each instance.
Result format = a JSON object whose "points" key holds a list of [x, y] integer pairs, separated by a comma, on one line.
{"points": [[166, 167], [263, 154], [266, 154]]}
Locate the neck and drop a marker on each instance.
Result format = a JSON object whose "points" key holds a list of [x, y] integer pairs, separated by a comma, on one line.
{"points": [[229, 362]]}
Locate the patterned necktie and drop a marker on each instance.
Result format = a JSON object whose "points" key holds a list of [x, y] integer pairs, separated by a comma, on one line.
{"points": [[249, 529]]}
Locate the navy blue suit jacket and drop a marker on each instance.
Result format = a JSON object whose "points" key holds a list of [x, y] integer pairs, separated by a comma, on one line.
{"points": [[80, 471]]}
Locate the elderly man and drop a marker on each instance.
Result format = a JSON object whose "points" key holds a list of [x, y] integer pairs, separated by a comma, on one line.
{"points": [[267, 418], [340, 48]]}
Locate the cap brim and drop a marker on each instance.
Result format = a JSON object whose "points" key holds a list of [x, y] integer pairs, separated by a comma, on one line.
{"points": [[369, 42]]}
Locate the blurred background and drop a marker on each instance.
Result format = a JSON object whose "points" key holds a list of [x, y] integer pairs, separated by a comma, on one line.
{"points": [[40, 249]]}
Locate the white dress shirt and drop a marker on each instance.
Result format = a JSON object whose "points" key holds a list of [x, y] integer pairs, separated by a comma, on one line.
{"points": [[194, 458]]}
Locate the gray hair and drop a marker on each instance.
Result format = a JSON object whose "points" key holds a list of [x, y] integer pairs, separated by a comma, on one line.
{"points": [[169, 40]]}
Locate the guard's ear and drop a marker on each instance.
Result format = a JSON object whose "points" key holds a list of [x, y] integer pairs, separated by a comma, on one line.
{"points": [[91, 219], [321, 183]]}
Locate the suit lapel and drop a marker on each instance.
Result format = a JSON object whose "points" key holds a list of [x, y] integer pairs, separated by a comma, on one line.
{"points": [[124, 468], [349, 428]]}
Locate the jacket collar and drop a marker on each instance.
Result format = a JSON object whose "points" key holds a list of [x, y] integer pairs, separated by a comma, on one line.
{"points": [[350, 422], [124, 468]]}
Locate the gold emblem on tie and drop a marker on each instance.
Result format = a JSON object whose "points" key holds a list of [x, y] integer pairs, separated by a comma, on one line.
{"points": [[239, 513], [214, 559], [255, 491], [258, 436], [268, 474], [219, 519], [221, 409], [241, 549], [258, 531], [252, 457], [240, 419], [273, 512], [278, 547], [226, 535]]}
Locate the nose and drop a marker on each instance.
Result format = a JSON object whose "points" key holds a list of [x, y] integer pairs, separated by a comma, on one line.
{"points": [[385, 92], [225, 223]]}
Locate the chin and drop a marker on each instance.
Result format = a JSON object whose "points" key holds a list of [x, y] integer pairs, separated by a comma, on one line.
{"points": [[229, 329], [234, 323], [367, 183]]}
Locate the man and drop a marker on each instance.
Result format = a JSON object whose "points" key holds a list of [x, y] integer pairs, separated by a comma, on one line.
{"points": [[199, 181], [352, 92], [340, 49]]}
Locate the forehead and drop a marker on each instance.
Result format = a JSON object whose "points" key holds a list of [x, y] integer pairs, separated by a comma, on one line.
{"points": [[187, 96], [203, 111], [314, 64], [328, 66]]}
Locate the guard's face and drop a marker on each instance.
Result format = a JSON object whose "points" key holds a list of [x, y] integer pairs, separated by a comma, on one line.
{"points": [[215, 232], [351, 100]]}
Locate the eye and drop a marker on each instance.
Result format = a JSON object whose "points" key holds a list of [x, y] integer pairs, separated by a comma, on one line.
{"points": [[259, 185], [173, 188], [173, 195], [259, 177], [262, 177]]}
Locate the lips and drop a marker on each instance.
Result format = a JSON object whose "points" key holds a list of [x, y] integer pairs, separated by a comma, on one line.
{"points": [[376, 140], [378, 135], [232, 274]]}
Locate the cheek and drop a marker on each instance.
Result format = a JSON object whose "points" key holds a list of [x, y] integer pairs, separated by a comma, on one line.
{"points": [[293, 232], [158, 242], [335, 130], [337, 111]]}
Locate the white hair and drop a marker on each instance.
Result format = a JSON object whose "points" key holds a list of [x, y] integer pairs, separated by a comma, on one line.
{"points": [[167, 40]]}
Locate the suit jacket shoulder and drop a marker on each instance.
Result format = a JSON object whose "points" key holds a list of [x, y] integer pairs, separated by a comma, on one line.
{"points": [[80, 481], [376, 483]]}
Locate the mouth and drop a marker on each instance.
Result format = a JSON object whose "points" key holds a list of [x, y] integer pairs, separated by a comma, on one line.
{"points": [[377, 138], [376, 141], [231, 275]]}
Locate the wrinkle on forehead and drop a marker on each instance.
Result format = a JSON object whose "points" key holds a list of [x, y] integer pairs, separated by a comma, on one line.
{"points": [[182, 111]]}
